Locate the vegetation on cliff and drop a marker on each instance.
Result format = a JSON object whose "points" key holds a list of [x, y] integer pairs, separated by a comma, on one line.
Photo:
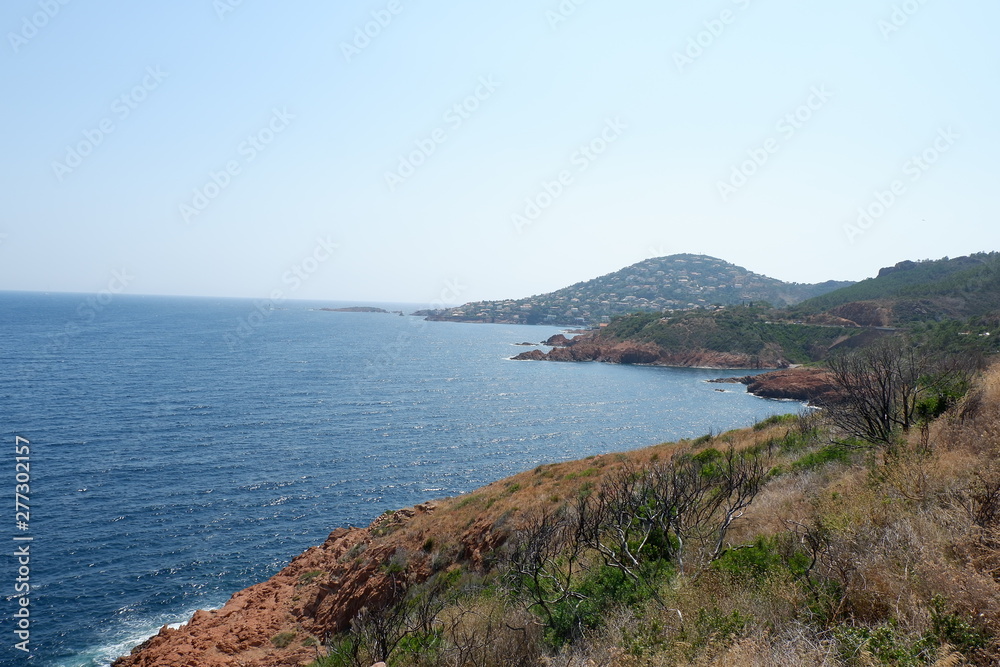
{"points": [[799, 541], [930, 290]]}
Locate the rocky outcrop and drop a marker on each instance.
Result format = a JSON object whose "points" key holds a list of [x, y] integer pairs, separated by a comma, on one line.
{"points": [[864, 313], [283, 620], [812, 385], [356, 309], [591, 347]]}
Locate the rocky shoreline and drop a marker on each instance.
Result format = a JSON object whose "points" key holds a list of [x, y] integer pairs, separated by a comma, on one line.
{"points": [[810, 385], [590, 347], [317, 593]]}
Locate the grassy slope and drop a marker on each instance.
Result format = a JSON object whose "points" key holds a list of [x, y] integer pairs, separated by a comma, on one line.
{"points": [[844, 558]]}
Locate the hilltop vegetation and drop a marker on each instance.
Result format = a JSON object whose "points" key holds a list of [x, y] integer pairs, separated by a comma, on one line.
{"points": [[958, 288], [677, 282]]}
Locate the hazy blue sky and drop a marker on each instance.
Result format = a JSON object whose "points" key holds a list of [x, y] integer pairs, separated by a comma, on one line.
{"points": [[223, 147]]}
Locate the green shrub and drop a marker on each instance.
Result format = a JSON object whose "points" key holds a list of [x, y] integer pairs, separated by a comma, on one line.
{"points": [[954, 630], [885, 643], [341, 652], [775, 420], [828, 454], [798, 440], [711, 626], [283, 639], [599, 591], [308, 577], [890, 646], [765, 558], [418, 648], [707, 456]]}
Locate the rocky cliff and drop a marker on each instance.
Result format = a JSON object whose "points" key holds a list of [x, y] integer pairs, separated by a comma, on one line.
{"points": [[592, 347], [284, 620]]}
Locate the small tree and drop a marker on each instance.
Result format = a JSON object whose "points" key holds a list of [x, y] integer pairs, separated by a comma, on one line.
{"points": [[878, 390], [658, 512], [546, 560], [883, 388]]}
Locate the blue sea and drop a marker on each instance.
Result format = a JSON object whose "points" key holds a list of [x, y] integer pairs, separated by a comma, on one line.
{"points": [[182, 449]]}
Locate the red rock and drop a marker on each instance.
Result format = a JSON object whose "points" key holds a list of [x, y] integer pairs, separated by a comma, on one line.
{"points": [[315, 595], [814, 385], [558, 340]]}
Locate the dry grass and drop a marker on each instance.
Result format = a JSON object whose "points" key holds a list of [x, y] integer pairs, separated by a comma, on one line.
{"points": [[504, 503]]}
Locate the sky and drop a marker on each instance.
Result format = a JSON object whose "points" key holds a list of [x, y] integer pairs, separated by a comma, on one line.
{"points": [[411, 151]]}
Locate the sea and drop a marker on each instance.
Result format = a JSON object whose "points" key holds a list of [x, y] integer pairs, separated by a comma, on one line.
{"points": [[181, 449]]}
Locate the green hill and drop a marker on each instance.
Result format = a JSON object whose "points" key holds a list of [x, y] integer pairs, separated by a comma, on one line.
{"points": [[923, 291], [676, 282]]}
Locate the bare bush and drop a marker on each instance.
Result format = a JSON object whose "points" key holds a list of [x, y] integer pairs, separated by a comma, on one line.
{"points": [[882, 387], [661, 511], [489, 634]]}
